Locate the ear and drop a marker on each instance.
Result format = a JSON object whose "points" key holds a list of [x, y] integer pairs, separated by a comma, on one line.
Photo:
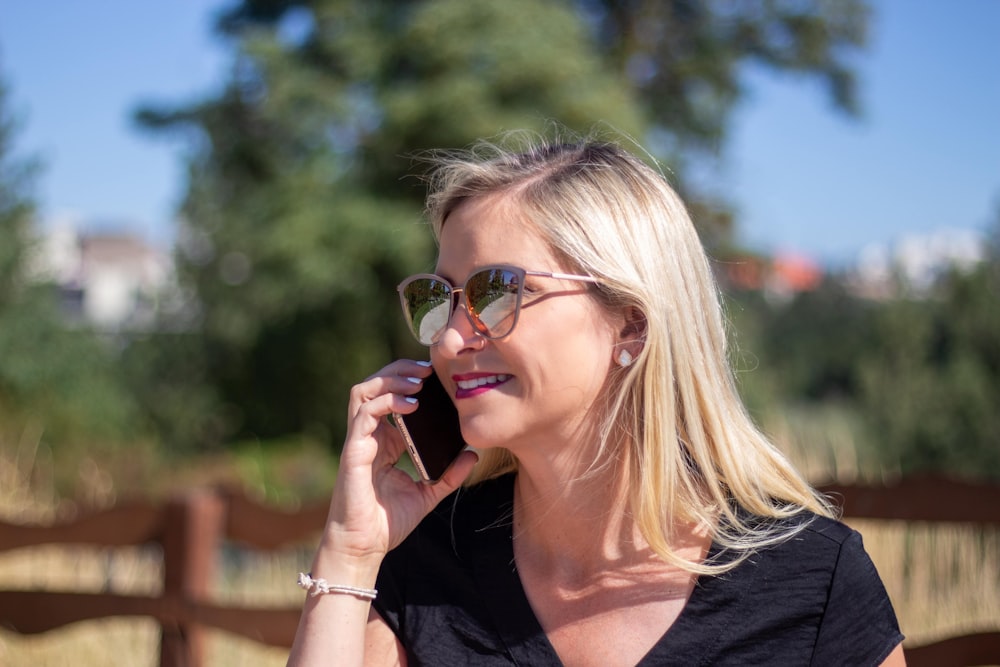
{"points": [[634, 328], [631, 335]]}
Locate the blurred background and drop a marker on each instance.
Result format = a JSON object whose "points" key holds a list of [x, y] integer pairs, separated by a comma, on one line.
{"points": [[205, 207]]}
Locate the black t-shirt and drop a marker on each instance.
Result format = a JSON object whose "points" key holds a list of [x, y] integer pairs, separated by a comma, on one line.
{"points": [[452, 595]]}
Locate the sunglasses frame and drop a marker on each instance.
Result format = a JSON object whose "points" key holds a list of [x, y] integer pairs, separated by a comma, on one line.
{"points": [[474, 320]]}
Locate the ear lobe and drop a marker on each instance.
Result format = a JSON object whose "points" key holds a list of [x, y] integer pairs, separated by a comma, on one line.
{"points": [[631, 336]]}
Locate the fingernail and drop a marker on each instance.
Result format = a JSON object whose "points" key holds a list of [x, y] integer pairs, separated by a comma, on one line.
{"points": [[414, 380], [425, 364], [410, 399]]}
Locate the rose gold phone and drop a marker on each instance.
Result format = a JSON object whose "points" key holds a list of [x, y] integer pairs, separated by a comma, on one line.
{"points": [[432, 433]]}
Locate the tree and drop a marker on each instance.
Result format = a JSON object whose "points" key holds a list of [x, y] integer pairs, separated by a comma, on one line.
{"points": [[686, 60], [461, 66], [60, 380], [686, 56], [931, 384], [918, 376], [297, 223], [931, 381], [16, 208]]}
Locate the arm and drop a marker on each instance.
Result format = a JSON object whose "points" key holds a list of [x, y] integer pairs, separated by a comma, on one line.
{"points": [[896, 658], [329, 634], [382, 647], [373, 508]]}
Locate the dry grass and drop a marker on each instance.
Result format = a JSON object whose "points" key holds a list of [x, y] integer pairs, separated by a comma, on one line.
{"points": [[27, 494], [943, 579]]}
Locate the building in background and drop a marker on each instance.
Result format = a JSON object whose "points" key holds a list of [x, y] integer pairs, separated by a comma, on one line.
{"points": [[914, 264], [113, 281], [780, 277]]}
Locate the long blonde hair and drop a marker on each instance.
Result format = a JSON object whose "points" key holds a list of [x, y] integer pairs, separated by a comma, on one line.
{"points": [[689, 449]]}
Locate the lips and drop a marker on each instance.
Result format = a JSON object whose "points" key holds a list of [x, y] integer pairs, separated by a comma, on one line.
{"points": [[469, 385]]}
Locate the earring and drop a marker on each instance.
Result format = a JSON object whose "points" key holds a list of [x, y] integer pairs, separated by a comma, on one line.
{"points": [[624, 358]]}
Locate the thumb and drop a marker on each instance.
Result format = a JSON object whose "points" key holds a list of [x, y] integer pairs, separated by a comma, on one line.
{"points": [[453, 477]]}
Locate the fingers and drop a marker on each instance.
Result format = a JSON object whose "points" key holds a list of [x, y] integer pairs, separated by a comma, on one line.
{"points": [[402, 377], [390, 390]]}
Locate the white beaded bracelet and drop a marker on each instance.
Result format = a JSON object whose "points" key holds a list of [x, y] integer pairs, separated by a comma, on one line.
{"points": [[321, 586]]}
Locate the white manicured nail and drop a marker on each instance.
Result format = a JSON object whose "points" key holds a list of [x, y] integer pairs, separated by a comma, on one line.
{"points": [[414, 380]]}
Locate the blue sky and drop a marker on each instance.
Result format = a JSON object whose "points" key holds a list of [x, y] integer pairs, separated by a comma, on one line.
{"points": [[924, 156]]}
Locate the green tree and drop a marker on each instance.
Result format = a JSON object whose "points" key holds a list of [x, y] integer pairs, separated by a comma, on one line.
{"points": [[62, 380], [931, 382], [297, 223], [815, 342], [16, 208], [917, 376]]}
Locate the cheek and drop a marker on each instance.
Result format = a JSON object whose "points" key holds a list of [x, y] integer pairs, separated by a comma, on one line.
{"points": [[593, 331], [577, 349]]}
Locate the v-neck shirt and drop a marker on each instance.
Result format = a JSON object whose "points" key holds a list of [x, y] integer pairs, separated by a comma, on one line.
{"points": [[452, 595]]}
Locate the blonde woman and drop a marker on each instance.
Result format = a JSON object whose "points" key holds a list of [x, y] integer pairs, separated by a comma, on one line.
{"points": [[620, 507]]}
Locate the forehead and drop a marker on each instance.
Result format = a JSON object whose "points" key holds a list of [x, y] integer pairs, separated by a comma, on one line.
{"points": [[487, 231]]}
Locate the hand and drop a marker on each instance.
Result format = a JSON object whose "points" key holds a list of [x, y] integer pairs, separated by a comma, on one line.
{"points": [[375, 505]]}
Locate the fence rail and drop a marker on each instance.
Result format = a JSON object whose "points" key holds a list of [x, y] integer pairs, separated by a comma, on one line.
{"points": [[192, 528]]}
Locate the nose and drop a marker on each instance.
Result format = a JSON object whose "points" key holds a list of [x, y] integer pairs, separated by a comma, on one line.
{"points": [[460, 334]]}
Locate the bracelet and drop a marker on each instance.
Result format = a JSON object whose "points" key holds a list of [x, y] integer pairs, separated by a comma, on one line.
{"points": [[321, 586]]}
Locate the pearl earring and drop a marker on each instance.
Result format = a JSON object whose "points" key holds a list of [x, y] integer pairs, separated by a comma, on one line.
{"points": [[624, 358]]}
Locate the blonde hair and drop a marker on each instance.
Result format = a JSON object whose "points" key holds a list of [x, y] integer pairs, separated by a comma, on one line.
{"points": [[689, 449]]}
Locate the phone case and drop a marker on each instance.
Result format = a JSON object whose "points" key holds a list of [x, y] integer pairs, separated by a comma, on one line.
{"points": [[432, 433]]}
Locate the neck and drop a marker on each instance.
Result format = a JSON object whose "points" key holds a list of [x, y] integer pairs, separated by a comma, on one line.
{"points": [[583, 523], [581, 531]]}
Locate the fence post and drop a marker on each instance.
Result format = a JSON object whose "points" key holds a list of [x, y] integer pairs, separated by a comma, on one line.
{"points": [[192, 534]]}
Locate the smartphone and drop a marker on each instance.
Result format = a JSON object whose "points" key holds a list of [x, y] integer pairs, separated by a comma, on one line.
{"points": [[432, 433]]}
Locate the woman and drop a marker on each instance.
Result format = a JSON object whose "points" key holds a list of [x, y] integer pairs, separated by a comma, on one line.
{"points": [[621, 507]]}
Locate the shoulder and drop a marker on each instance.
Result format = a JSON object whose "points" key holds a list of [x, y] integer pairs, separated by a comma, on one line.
{"points": [[799, 562], [859, 624], [828, 533], [812, 596], [813, 552], [818, 536], [823, 571], [806, 539], [826, 548]]}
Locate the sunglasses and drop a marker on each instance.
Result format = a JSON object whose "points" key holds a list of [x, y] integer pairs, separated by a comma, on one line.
{"points": [[492, 301]]}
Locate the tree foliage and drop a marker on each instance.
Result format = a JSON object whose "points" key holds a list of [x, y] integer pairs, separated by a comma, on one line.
{"points": [[686, 56], [60, 379], [298, 218], [931, 381], [922, 374], [16, 208]]}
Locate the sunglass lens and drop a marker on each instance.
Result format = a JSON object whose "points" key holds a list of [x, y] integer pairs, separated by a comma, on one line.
{"points": [[493, 296], [428, 307]]}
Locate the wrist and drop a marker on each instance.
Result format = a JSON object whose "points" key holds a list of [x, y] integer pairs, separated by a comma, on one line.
{"points": [[320, 586], [345, 568]]}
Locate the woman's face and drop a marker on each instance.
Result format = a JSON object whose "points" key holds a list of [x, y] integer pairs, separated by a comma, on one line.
{"points": [[541, 381]]}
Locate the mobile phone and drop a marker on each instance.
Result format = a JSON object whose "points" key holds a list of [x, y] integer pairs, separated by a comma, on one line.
{"points": [[432, 432]]}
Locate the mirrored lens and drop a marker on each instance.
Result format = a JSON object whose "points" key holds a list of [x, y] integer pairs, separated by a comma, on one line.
{"points": [[428, 307], [492, 296]]}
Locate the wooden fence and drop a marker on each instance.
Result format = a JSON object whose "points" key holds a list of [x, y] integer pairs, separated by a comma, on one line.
{"points": [[192, 528]]}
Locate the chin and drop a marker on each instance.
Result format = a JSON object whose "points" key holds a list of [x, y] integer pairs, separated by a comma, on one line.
{"points": [[480, 436], [481, 443]]}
